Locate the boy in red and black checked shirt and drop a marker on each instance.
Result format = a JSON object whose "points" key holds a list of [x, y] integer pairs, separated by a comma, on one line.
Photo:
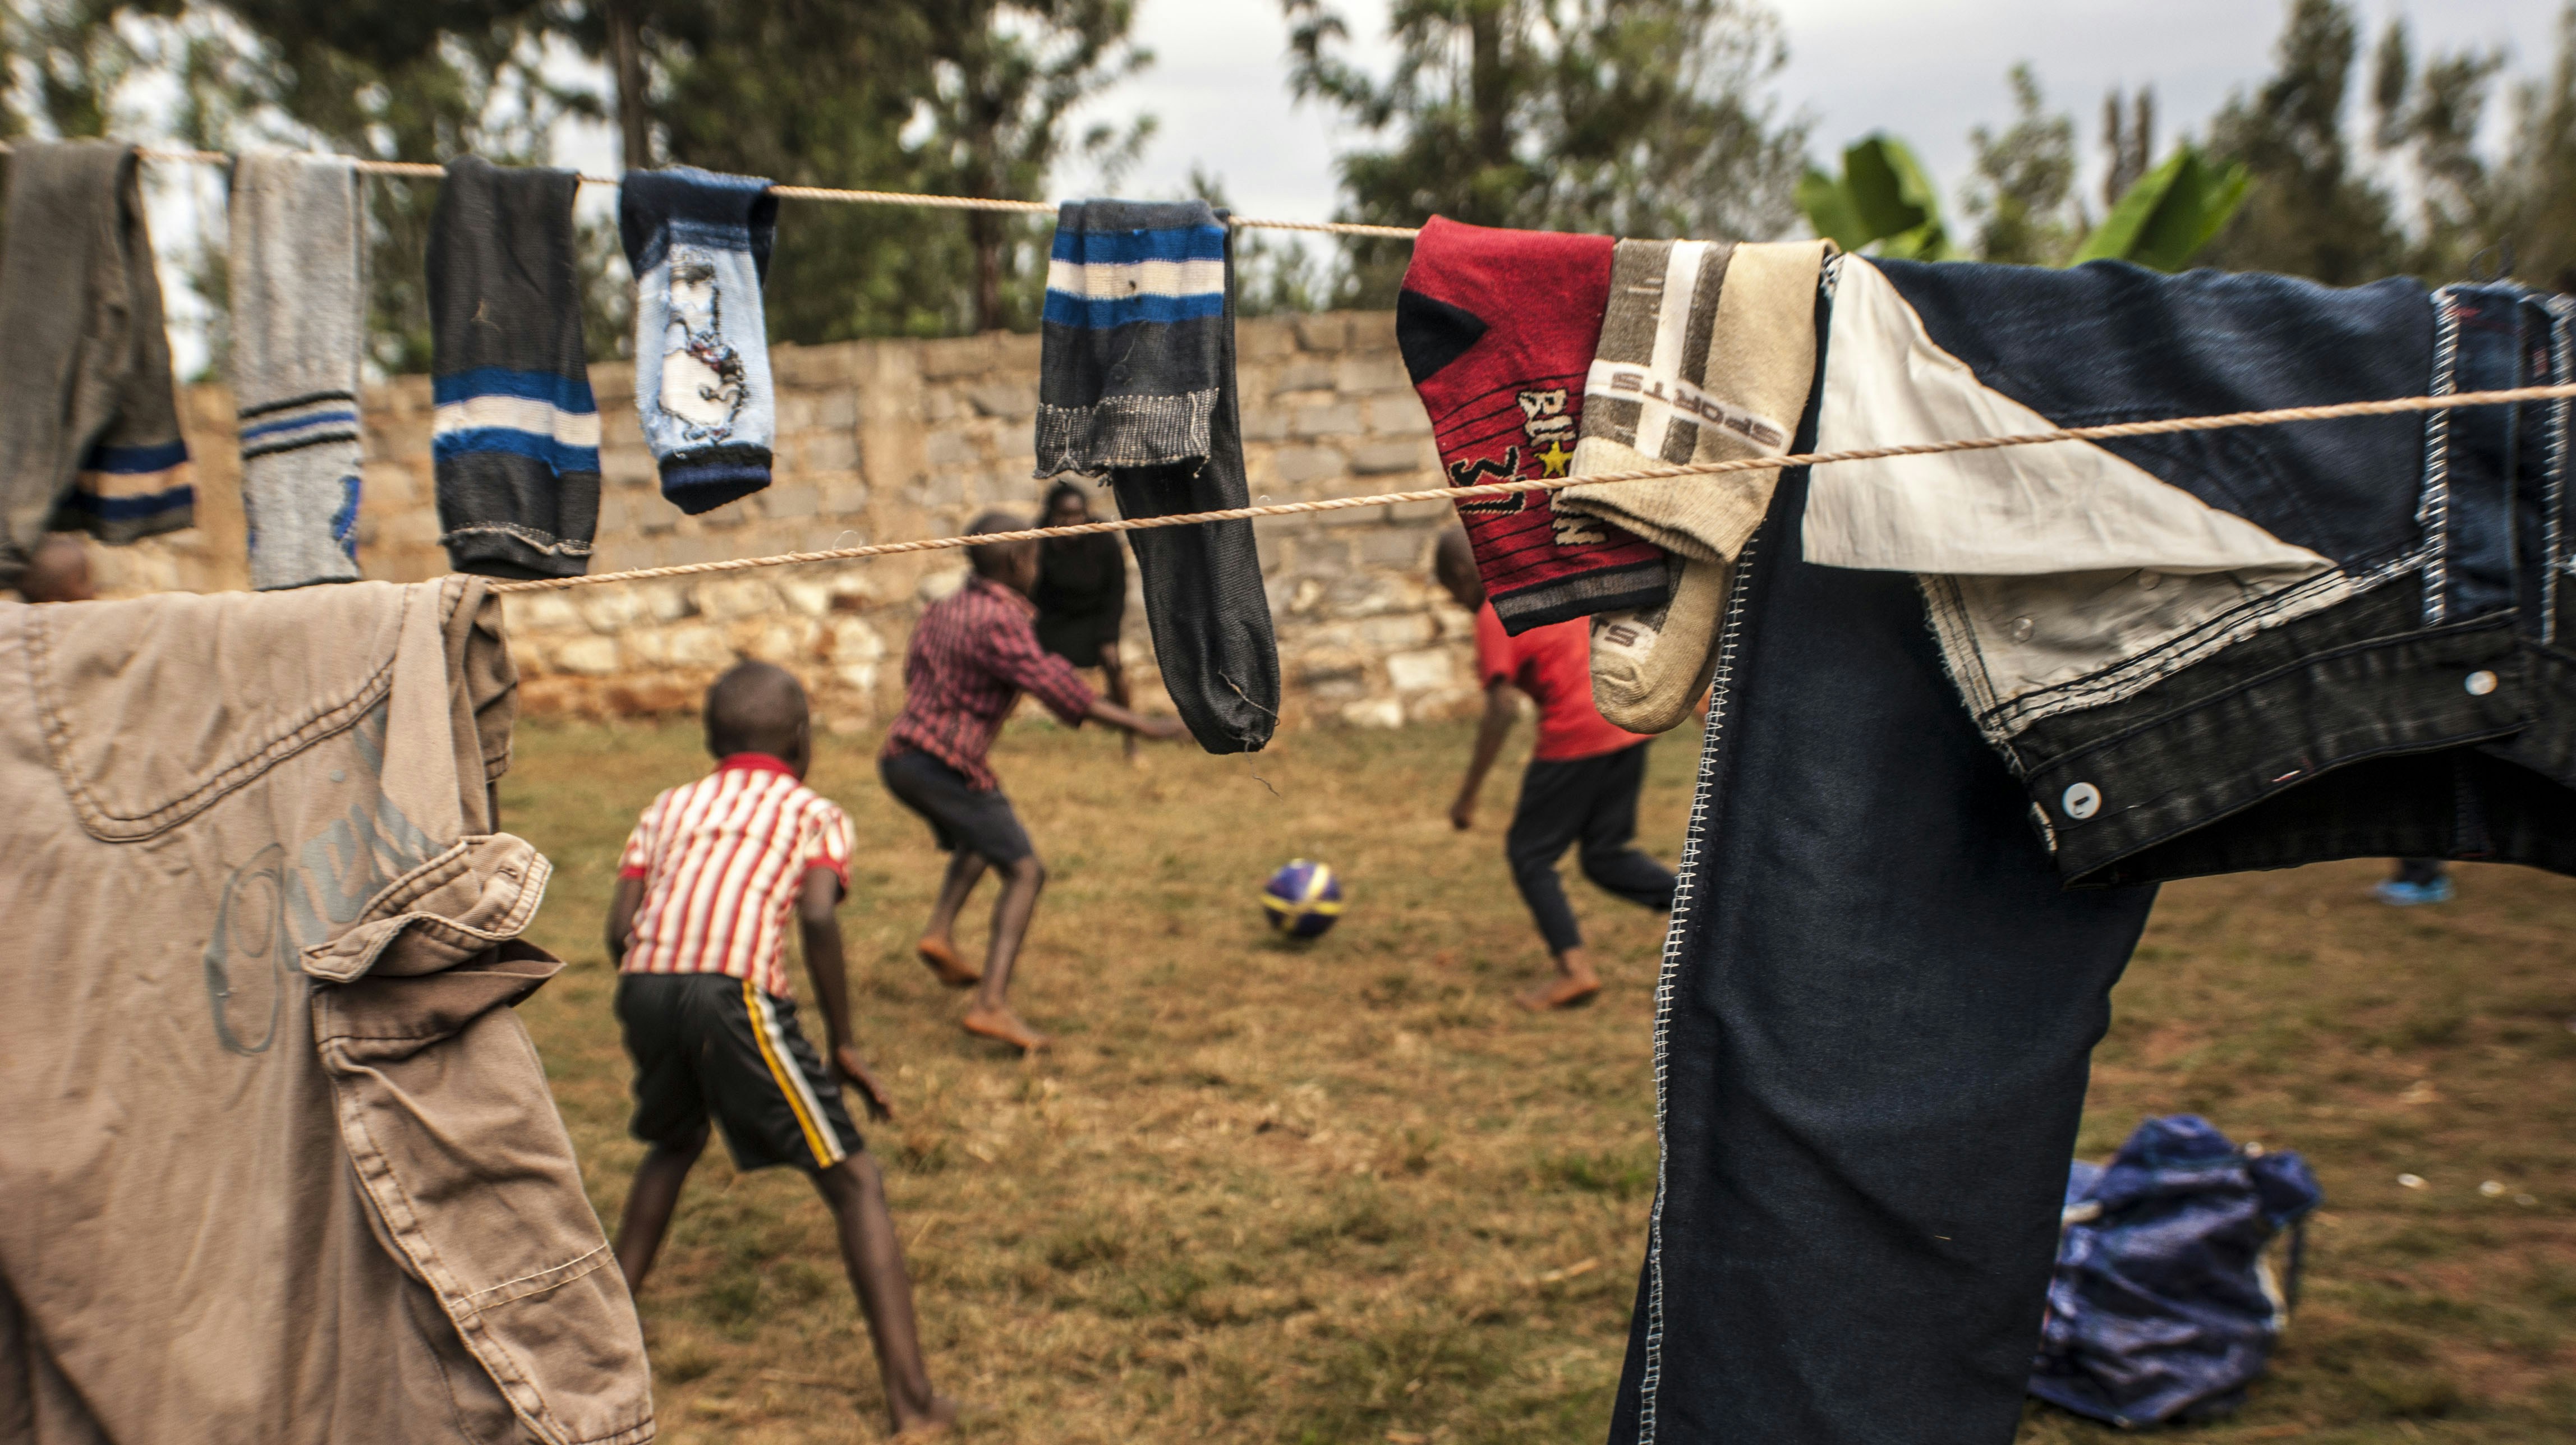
{"points": [[972, 655], [708, 883]]}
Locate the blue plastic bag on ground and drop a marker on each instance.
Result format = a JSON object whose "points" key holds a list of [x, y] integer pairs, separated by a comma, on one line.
{"points": [[2164, 1306]]}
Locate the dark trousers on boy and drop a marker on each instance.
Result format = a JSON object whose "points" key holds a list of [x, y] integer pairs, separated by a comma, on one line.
{"points": [[1592, 802]]}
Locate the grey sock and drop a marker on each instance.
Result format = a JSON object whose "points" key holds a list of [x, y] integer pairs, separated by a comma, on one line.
{"points": [[299, 298]]}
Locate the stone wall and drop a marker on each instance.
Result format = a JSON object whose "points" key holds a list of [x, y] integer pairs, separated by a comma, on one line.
{"points": [[889, 440]]}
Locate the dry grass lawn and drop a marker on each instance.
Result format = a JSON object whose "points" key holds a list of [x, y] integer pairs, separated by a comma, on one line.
{"points": [[1347, 1193]]}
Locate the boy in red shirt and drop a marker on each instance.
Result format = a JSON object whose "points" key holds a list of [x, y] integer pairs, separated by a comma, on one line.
{"points": [[1581, 784]]}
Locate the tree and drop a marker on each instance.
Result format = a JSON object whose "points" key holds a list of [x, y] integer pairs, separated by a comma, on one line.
{"points": [[2536, 213], [2025, 179], [1010, 72], [2312, 212], [1634, 117], [2131, 140]]}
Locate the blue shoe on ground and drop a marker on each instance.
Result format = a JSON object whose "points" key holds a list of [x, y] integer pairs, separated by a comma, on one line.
{"points": [[2398, 893]]}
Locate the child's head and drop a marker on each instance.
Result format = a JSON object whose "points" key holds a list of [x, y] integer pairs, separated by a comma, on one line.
{"points": [[1454, 563], [59, 572], [1013, 564], [758, 708]]}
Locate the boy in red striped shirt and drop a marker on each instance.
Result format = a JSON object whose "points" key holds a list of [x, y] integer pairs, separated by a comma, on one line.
{"points": [[710, 879]]}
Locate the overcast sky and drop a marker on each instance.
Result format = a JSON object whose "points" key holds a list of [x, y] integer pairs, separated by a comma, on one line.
{"points": [[1922, 69]]}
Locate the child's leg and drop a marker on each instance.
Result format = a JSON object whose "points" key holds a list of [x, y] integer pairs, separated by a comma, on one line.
{"points": [[938, 946], [1023, 878], [1545, 823], [873, 1256], [965, 870], [1611, 858], [649, 1204]]}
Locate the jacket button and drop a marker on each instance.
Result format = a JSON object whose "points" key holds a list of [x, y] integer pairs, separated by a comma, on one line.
{"points": [[2082, 801], [2481, 682]]}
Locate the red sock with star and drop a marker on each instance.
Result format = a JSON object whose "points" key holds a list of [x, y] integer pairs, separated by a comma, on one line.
{"points": [[1498, 329]]}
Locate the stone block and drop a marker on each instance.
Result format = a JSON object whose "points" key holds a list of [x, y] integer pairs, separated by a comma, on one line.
{"points": [[1299, 465], [1397, 630], [828, 451], [1407, 548], [1265, 423], [1419, 671], [533, 612], [1371, 330], [728, 598], [833, 365], [1385, 458], [853, 641], [588, 656], [1263, 338], [1379, 712], [949, 447], [626, 465], [795, 412], [1012, 400], [1368, 373], [1339, 418], [1304, 374], [1417, 514], [697, 644], [1330, 331], [792, 501], [1399, 416], [941, 585], [844, 496]]}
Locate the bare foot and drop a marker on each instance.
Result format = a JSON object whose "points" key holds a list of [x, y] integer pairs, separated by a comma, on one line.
{"points": [[941, 956], [933, 1421], [1004, 1026], [1571, 990]]}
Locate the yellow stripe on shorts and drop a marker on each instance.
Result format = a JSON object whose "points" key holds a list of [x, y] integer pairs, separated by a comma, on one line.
{"points": [[758, 1016]]}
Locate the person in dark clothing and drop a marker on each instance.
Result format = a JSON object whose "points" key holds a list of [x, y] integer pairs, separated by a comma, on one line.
{"points": [[1581, 785], [1082, 593], [2418, 880]]}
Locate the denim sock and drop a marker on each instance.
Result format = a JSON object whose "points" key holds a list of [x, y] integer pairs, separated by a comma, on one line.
{"points": [[298, 269], [1137, 380], [699, 246]]}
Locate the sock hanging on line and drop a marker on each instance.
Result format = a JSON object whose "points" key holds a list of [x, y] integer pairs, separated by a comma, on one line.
{"points": [[699, 244], [89, 425], [1137, 380], [515, 433], [1707, 353], [1497, 330], [298, 277]]}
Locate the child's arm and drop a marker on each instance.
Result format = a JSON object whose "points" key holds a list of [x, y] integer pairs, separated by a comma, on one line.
{"points": [[621, 918], [1162, 729], [1502, 709], [818, 919]]}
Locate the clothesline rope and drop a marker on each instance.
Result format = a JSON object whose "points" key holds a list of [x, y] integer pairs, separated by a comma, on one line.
{"points": [[2394, 406], [420, 170]]}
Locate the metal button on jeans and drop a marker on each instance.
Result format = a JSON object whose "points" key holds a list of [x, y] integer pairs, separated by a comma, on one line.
{"points": [[2082, 801], [2481, 682]]}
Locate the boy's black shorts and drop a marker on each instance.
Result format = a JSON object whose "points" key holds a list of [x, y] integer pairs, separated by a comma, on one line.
{"points": [[961, 815], [708, 1043]]}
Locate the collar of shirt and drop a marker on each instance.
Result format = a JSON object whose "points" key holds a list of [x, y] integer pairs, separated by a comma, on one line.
{"points": [[756, 763], [1004, 591]]}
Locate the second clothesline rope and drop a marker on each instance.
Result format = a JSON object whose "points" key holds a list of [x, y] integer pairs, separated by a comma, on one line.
{"points": [[2112, 431]]}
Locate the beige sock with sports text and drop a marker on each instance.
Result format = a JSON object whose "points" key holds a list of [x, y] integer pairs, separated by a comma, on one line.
{"points": [[1707, 353]]}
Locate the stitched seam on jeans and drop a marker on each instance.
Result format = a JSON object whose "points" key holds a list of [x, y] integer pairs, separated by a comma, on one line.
{"points": [[1685, 881], [2434, 512], [2562, 348], [2304, 662], [2199, 645]]}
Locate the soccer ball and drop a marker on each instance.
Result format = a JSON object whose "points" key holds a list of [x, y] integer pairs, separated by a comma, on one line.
{"points": [[1302, 899]]}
